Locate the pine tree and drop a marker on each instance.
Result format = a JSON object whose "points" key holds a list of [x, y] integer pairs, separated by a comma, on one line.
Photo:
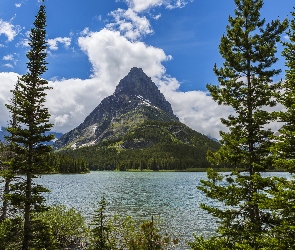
{"points": [[284, 149], [246, 85], [101, 230], [32, 119], [284, 153]]}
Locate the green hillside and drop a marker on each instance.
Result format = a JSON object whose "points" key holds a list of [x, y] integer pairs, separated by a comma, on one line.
{"points": [[152, 145]]}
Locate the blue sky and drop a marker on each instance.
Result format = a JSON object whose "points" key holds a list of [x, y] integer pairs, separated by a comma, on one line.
{"points": [[93, 44]]}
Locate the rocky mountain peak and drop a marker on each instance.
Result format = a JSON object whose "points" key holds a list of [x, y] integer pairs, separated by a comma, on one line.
{"points": [[136, 82]]}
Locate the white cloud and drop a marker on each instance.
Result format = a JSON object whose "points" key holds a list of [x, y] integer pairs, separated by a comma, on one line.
{"points": [[70, 101], [8, 65], [195, 108], [157, 17], [9, 30], [8, 57], [53, 43], [85, 32], [177, 4], [23, 43], [143, 5], [113, 51], [11, 58], [112, 55], [130, 24], [18, 5]]}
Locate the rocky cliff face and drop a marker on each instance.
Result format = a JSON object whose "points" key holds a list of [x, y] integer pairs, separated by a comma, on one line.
{"points": [[135, 100]]}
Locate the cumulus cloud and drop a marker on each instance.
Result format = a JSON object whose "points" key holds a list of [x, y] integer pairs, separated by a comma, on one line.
{"points": [[130, 24], [18, 5], [70, 101], [112, 55], [53, 43], [9, 30], [143, 5]]}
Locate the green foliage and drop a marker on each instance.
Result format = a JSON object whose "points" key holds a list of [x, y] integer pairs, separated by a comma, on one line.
{"points": [[66, 164], [53, 229], [7, 175], [11, 234], [249, 46], [152, 145], [125, 233], [283, 207], [66, 226], [283, 153], [212, 243], [284, 149], [148, 238], [42, 237], [101, 229]]}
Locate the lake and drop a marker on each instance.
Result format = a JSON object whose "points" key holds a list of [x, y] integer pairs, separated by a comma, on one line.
{"points": [[170, 197]]}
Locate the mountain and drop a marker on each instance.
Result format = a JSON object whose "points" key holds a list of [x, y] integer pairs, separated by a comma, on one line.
{"points": [[135, 100]]}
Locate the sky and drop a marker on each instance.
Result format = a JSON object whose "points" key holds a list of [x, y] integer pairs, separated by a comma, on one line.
{"points": [[93, 44]]}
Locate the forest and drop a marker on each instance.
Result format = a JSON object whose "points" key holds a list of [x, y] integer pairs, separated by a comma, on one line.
{"points": [[257, 212]]}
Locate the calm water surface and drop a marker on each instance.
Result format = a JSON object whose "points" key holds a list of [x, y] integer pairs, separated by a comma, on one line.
{"points": [[171, 197]]}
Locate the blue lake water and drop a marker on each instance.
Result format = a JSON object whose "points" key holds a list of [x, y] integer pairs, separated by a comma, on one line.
{"points": [[170, 197]]}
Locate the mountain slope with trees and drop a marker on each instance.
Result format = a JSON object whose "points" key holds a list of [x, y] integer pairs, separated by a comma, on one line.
{"points": [[151, 145]]}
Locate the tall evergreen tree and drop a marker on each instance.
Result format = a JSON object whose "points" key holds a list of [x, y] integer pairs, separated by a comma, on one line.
{"points": [[284, 149], [284, 153], [246, 85], [32, 119]]}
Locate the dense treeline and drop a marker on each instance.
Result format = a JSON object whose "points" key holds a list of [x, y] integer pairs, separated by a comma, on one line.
{"points": [[65, 164], [58, 163], [154, 145]]}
